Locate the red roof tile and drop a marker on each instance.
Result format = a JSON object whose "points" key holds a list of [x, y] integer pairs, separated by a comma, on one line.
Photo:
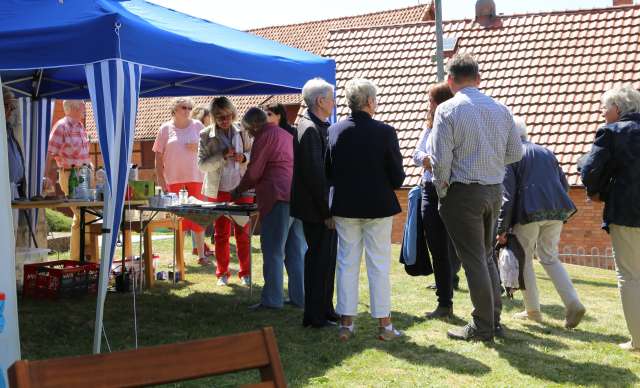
{"points": [[550, 68]]}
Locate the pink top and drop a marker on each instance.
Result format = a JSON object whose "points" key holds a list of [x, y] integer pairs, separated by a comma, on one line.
{"points": [[68, 143], [270, 168], [180, 163]]}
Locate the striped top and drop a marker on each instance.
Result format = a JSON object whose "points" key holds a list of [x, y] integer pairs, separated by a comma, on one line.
{"points": [[473, 139], [68, 143], [423, 150]]}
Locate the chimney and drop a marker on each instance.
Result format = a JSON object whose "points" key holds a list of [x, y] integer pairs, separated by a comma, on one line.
{"points": [[617, 3], [486, 14], [430, 12]]}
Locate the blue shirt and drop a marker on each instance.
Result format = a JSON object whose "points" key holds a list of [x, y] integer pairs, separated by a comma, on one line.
{"points": [[473, 139]]}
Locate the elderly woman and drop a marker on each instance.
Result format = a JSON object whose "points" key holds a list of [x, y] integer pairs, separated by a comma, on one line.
{"points": [[535, 205], [445, 262], [176, 149], [270, 171], [611, 173], [364, 167], [223, 156]]}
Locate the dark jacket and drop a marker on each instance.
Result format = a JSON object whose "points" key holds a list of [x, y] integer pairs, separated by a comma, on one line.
{"points": [[364, 167], [535, 189], [414, 253], [309, 192], [612, 170]]}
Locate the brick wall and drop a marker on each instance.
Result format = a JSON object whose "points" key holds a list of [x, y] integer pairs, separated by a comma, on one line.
{"points": [[582, 242]]}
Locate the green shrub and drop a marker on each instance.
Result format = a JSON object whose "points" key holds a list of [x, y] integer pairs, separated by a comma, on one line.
{"points": [[57, 221]]}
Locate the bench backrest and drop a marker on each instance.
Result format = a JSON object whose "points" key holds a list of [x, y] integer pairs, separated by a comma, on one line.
{"points": [[158, 364]]}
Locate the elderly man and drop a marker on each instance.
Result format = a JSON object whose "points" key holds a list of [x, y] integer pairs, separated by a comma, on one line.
{"points": [[270, 171], [68, 146], [310, 203], [473, 139], [535, 206]]}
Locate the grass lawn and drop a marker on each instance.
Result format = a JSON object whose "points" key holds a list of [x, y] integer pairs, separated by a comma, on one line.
{"points": [[531, 355]]}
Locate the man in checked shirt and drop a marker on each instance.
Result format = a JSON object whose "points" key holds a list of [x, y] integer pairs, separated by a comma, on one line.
{"points": [[473, 139], [68, 146]]}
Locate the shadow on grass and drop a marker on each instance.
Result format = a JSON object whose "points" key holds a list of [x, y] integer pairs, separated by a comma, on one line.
{"points": [[576, 334], [595, 283], [528, 360], [65, 328], [554, 311]]}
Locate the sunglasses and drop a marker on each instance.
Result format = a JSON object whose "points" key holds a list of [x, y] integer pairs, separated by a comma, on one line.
{"points": [[186, 107], [224, 117]]}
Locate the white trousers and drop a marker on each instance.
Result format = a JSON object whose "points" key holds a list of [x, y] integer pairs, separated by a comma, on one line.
{"points": [[374, 235], [543, 237], [626, 252]]}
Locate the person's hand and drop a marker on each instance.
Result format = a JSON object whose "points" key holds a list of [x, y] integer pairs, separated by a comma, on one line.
{"points": [[229, 153], [193, 147], [330, 223], [163, 185], [502, 239], [240, 158]]}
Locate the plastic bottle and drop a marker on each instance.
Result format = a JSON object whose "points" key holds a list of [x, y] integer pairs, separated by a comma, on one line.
{"points": [[100, 182], [183, 196], [73, 181], [83, 181]]}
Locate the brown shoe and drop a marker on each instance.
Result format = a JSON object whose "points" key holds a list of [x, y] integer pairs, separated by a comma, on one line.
{"points": [[468, 333], [574, 315], [345, 334], [441, 313], [389, 335], [532, 315]]}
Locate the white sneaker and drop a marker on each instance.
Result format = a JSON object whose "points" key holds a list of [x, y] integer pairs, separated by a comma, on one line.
{"points": [[223, 280], [629, 347], [535, 316], [246, 281]]}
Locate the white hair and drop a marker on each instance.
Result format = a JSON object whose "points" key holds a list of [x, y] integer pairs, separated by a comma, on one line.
{"points": [[521, 127], [625, 98], [314, 88], [69, 105], [358, 91]]}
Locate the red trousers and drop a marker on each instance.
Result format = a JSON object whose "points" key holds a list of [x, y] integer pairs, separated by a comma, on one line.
{"points": [[222, 235], [194, 189]]}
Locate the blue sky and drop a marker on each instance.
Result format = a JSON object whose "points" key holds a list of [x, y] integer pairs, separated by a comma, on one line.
{"points": [[252, 13]]}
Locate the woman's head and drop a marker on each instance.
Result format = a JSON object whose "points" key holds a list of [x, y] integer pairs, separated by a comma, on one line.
{"points": [[619, 101], [223, 111], [181, 107], [254, 120], [361, 95], [438, 94], [276, 114], [9, 104], [202, 114]]}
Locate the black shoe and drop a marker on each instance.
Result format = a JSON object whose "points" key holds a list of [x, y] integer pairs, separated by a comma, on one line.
{"points": [[333, 317], [498, 331], [441, 312], [456, 283], [290, 303], [261, 307], [468, 333], [432, 286]]}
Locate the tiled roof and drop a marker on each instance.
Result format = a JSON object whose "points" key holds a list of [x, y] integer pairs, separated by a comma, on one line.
{"points": [[310, 36], [550, 68]]}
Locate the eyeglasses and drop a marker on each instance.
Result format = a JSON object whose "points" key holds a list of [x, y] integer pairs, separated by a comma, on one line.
{"points": [[186, 107]]}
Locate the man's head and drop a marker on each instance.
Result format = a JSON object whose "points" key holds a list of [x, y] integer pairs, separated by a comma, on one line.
{"points": [[254, 120], [74, 109], [318, 95], [463, 72], [361, 95], [9, 104]]}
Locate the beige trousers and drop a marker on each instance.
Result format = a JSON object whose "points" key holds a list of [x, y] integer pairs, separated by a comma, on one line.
{"points": [[63, 179], [626, 252], [543, 237]]}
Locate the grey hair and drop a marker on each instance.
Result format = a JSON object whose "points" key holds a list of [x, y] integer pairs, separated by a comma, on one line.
{"points": [[254, 118], [358, 91], [462, 67], [625, 97], [521, 127], [68, 105], [178, 101], [9, 100], [314, 88]]}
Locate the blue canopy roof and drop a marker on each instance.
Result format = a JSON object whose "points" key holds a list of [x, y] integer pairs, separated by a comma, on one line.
{"points": [[44, 45]]}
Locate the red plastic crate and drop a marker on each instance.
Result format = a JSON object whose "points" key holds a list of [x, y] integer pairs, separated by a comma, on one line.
{"points": [[62, 278]]}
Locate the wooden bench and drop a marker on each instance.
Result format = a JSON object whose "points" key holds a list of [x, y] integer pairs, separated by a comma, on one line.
{"points": [[159, 364]]}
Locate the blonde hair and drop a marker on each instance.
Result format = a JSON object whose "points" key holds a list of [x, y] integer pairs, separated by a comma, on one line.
{"points": [[200, 112], [222, 103], [179, 101]]}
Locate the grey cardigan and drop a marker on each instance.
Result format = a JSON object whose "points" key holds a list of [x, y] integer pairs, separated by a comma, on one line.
{"points": [[535, 189], [211, 155]]}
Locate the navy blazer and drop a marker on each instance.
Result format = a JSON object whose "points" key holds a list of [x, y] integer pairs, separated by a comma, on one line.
{"points": [[535, 189], [364, 167], [612, 170]]}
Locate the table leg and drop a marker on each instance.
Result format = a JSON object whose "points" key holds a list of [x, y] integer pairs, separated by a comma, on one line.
{"points": [[148, 256], [82, 228], [180, 249]]}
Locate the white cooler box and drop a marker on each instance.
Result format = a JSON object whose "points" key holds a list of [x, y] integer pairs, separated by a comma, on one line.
{"points": [[28, 256]]}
